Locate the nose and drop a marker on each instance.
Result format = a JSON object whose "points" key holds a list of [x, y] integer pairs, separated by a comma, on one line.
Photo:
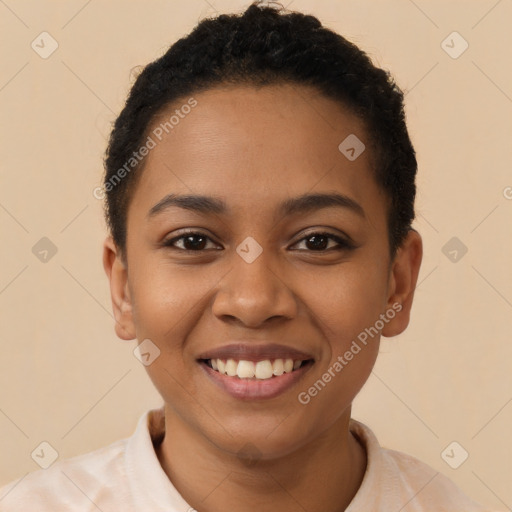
{"points": [[253, 293]]}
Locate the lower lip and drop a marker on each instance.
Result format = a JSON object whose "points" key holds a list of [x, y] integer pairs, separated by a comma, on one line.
{"points": [[255, 389]]}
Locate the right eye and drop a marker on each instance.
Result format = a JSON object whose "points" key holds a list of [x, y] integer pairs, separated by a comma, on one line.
{"points": [[192, 241]]}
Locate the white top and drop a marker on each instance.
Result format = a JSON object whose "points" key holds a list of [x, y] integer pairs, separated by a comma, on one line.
{"points": [[127, 476]]}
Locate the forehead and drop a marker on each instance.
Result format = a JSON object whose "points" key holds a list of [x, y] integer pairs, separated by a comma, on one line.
{"points": [[250, 144]]}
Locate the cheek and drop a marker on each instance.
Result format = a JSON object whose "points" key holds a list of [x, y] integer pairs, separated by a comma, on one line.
{"points": [[347, 301], [168, 302], [345, 307], [168, 299]]}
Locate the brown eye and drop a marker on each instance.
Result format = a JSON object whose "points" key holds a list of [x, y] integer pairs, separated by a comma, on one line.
{"points": [[319, 242], [193, 241]]}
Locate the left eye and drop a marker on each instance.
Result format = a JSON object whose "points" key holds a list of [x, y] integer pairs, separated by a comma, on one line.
{"points": [[196, 242], [320, 242]]}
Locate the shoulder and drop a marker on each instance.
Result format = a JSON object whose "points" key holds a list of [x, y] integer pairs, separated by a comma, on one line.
{"points": [[427, 487], [396, 480], [71, 483], [111, 478]]}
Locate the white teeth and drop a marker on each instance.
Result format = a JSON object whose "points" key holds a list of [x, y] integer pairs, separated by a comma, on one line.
{"points": [[261, 370], [278, 367], [264, 370], [288, 365], [245, 369], [231, 366]]}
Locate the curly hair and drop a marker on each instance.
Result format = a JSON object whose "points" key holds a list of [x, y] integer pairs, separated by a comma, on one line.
{"points": [[268, 45]]}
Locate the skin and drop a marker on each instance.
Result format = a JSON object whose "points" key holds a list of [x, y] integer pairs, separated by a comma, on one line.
{"points": [[255, 148]]}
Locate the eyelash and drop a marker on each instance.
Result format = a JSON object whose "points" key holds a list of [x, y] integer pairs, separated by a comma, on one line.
{"points": [[342, 243]]}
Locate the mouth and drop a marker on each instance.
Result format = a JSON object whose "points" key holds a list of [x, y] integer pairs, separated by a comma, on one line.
{"points": [[254, 371], [262, 379]]}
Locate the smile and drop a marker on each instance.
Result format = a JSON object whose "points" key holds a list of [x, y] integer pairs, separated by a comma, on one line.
{"points": [[255, 380]]}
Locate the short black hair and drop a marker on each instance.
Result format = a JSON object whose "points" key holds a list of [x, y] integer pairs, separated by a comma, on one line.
{"points": [[267, 45]]}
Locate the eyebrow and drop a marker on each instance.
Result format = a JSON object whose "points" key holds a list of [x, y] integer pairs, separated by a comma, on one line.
{"points": [[305, 203]]}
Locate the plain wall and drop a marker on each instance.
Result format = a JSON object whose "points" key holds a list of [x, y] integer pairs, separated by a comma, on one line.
{"points": [[65, 378]]}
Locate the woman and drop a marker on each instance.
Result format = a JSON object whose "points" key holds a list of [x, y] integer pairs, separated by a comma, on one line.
{"points": [[260, 186]]}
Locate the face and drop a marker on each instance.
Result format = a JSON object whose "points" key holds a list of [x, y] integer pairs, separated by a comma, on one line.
{"points": [[283, 255]]}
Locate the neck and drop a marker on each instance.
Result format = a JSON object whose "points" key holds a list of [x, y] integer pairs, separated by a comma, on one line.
{"points": [[321, 476]]}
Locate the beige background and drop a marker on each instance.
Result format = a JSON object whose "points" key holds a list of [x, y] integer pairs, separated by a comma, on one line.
{"points": [[64, 376]]}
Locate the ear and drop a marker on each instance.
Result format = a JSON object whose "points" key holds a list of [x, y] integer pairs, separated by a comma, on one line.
{"points": [[402, 283], [117, 273]]}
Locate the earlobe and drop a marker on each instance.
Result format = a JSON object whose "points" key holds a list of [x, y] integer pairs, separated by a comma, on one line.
{"points": [[402, 284], [117, 273]]}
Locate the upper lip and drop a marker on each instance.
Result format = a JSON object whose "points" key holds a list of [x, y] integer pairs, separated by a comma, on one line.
{"points": [[254, 352]]}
